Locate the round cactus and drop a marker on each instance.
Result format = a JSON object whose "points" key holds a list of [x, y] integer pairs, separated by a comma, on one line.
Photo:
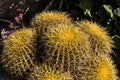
{"points": [[50, 18], [64, 46], [44, 72], [18, 52], [98, 36], [98, 68]]}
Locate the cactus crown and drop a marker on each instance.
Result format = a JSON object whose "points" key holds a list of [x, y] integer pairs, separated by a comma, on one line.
{"points": [[18, 39], [50, 18], [98, 36], [99, 68], [64, 34], [105, 70]]}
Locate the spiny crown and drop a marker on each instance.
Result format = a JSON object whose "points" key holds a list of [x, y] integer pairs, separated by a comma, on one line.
{"points": [[99, 68], [65, 34], [50, 18], [19, 38], [100, 40], [105, 70]]}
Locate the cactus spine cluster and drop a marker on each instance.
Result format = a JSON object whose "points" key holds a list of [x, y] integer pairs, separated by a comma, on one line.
{"points": [[98, 36], [98, 68], [45, 72], [18, 52], [50, 18], [59, 46]]}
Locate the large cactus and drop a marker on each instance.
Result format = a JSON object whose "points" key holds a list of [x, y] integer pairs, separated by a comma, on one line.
{"points": [[98, 36], [99, 67], [44, 72], [63, 46], [18, 52]]}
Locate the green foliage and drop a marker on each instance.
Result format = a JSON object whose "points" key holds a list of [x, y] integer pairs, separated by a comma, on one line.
{"points": [[116, 40], [108, 9], [101, 11], [86, 6], [19, 53]]}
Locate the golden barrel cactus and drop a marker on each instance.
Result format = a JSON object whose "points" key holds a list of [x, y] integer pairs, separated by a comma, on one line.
{"points": [[49, 18], [100, 67], [63, 46], [44, 72], [100, 40], [18, 52]]}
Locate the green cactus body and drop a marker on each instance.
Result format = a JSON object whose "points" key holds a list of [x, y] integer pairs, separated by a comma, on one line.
{"points": [[64, 46], [99, 38], [98, 68], [49, 18], [44, 72], [18, 52]]}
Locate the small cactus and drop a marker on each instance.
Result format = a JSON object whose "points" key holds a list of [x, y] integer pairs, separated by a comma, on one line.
{"points": [[44, 72], [49, 18], [98, 68], [18, 52], [64, 46], [98, 36]]}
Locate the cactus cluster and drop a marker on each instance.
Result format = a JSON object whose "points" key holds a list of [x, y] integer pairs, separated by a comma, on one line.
{"points": [[57, 48]]}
